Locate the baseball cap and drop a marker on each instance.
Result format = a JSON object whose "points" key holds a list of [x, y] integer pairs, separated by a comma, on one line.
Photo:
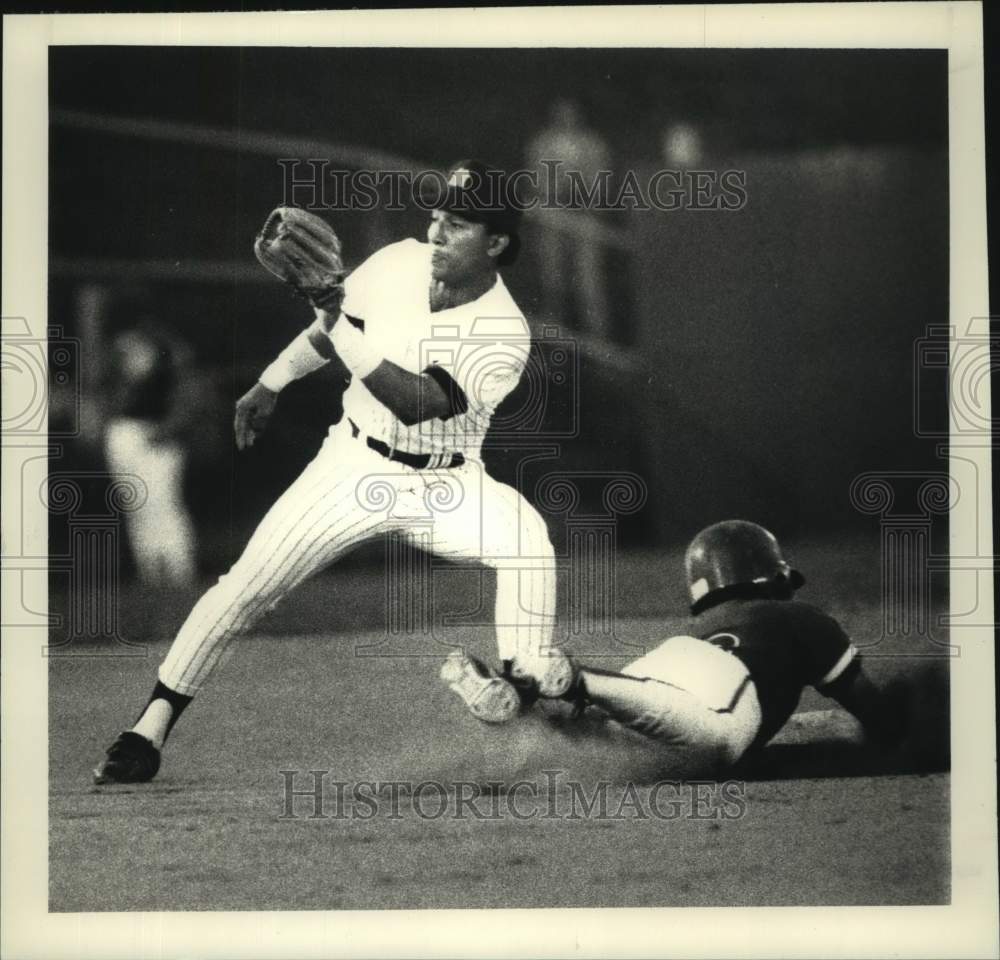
{"points": [[482, 193]]}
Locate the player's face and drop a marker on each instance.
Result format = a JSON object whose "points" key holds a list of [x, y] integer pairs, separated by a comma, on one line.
{"points": [[461, 248]]}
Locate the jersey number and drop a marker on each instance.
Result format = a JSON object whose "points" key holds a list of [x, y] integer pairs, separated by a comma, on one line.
{"points": [[725, 641]]}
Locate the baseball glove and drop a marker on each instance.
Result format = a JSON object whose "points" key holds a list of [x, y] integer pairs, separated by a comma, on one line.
{"points": [[302, 250]]}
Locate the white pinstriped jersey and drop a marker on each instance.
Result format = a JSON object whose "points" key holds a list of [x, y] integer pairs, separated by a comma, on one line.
{"points": [[482, 345]]}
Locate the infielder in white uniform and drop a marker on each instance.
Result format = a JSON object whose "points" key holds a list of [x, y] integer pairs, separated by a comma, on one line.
{"points": [[434, 342]]}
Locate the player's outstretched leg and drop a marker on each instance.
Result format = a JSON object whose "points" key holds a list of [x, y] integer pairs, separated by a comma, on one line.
{"points": [[308, 528], [686, 695]]}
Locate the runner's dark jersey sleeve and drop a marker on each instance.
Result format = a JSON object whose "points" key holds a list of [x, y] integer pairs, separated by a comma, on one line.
{"points": [[825, 649], [786, 646]]}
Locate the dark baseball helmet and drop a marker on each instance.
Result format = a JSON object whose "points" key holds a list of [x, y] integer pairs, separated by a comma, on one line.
{"points": [[735, 553]]}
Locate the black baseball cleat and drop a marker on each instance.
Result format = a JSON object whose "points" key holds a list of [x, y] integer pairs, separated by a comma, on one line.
{"points": [[131, 759], [526, 687], [552, 673], [576, 693]]}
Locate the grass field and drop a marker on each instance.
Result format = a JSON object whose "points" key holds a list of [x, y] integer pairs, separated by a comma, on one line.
{"points": [[817, 823]]}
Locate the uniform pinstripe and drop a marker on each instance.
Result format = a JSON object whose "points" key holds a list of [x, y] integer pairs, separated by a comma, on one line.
{"points": [[349, 493]]}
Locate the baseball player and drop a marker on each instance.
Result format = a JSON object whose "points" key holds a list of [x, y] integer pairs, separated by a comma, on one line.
{"points": [[434, 341], [713, 697], [144, 436]]}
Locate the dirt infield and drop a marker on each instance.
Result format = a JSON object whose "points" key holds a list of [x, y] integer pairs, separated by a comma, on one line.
{"points": [[220, 829]]}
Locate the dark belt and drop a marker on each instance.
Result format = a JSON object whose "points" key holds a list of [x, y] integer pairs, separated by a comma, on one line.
{"points": [[419, 461]]}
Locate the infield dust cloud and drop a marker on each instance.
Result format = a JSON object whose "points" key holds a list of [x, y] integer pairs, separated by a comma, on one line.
{"points": [[586, 749]]}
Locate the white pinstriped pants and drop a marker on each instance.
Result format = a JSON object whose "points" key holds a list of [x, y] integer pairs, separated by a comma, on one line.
{"points": [[349, 494]]}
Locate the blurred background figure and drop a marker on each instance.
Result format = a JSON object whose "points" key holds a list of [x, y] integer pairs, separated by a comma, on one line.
{"points": [[681, 145], [153, 410], [572, 262]]}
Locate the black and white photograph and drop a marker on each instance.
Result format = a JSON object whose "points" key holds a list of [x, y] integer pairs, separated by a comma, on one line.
{"points": [[461, 463]]}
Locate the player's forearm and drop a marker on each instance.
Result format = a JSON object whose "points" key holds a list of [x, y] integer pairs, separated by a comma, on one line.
{"points": [[878, 709], [411, 397], [301, 357]]}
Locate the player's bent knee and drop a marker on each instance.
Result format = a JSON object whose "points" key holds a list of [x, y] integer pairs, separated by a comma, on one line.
{"points": [[531, 547], [535, 538]]}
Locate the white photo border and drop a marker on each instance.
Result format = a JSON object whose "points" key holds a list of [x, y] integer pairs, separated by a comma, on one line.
{"points": [[966, 928]]}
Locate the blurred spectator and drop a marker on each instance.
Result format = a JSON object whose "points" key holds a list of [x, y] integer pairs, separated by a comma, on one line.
{"points": [[154, 409], [573, 267], [681, 145]]}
